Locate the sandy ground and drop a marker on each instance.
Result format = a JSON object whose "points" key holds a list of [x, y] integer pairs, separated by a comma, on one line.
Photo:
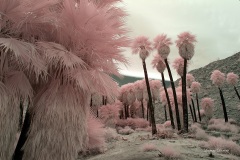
{"points": [[128, 147]]}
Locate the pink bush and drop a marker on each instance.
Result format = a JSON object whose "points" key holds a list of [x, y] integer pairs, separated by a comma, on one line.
{"points": [[126, 130], [169, 152], [207, 105], [133, 123], [138, 89], [217, 78], [167, 124], [202, 112], [195, 87], [148, 147], [221, 125], [222, 145], [109, 114], [232, 78]]}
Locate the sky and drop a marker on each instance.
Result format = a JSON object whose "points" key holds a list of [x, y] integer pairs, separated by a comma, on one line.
{"points": [[215, 23]]}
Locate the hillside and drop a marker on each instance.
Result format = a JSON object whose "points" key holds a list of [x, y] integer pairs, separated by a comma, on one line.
{"points": [[202, 75]]}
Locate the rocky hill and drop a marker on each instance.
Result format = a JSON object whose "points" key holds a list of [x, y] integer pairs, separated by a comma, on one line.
{"points": [[202, 75]]}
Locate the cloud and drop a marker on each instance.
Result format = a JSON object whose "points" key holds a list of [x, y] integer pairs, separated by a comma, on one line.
{"points": [[213, 22]]}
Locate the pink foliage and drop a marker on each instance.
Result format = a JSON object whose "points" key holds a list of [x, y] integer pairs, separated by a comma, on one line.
{"points": [[217, 78], [163, 97], [232, 78], [169, 152], [162, 43], [202, 112], [126, 130], [207, 105], [185, 44], [167, 124], [141, 45], [195, 87], [178, 64], [138, 90], [109, 114], [133, 123], [189, 79], [148, 147], [222, 146], [96, 135], [221, 125], [158, 63]]}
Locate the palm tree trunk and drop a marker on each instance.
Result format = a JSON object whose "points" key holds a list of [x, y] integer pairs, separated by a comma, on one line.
{"points": [[142, 109], [165, 112], [184, 98], [237, 92], [191, 111], [20, 116], [147, 110], [151, 108], [174, 95], [18, 153], [199, 115], [168, 101], [223, 104], [194, 111]]}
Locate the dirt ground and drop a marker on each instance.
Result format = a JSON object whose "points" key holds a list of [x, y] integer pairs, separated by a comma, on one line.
{"points": [[128, 147]]}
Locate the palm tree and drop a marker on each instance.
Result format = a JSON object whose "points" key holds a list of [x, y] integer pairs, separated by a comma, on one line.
{"points": [[161, 43], [186, 51], [195, 88], [142, 46], [80, 53], [232, 79], [159, 64], [218, 79]]}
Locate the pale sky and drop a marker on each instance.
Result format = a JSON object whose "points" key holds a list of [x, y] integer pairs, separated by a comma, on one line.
{"points": [[216, 24]]}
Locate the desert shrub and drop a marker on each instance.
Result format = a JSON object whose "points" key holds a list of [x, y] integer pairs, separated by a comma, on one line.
{"points": [[109, 114], [126, 130], [199, 133], [167, 124], [148, 147], [221, 125], [133, 123], [169, 152], [110, 134], [165, 133], [221, 145]]}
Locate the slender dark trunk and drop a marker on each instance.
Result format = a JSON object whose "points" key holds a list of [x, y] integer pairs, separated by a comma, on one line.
{"points": [[18, 153], [147, 110], [194, 111], [184, 97], [191, 111], [21, 116], [174, 95], [168, 101], [142, 109], [97, 112], [199, 115], [151, 108], [237, 92], [223, 104], [165, 112], [125, 109]]}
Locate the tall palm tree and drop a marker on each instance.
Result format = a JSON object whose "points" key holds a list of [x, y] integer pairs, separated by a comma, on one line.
{"points": [[195, 88], [80, 44], [186, 51], [232, 79], [159, 64], [218, 79], [162, 43], [142, 46]]}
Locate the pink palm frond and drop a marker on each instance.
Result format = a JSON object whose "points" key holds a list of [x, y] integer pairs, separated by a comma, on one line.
{"points": [[178, 65], [195, 87], [158, 63], [217, 78], [232, 78], [185, 37], [139, 43], [161, 40], [189, 79]]}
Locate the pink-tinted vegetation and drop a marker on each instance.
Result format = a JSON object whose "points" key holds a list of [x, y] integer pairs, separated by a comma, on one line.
{"points": [[162, 43], [110, 134], [178, 64], [189, 79], [167, 124], [125, 131], [221, 145], [133, 123], [158, 63], [199, 133], [149, 147], [142, 46], [96, 135], [169, 152], [221, 125], [185, 44], [195, 87], [109, 114], [232, 78], [207, 105], [202, 112], [218, 78]]}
